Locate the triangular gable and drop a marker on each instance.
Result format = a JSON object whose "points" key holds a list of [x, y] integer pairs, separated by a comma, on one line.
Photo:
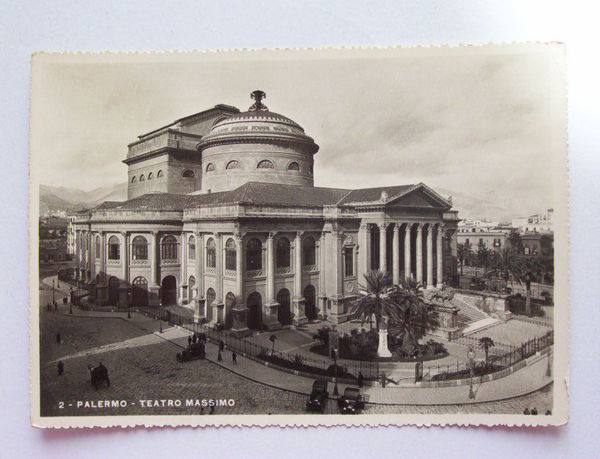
{"points": [[419, 196]]}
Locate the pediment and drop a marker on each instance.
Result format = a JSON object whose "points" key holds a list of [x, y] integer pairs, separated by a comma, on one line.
{"points": [[420, 196]]}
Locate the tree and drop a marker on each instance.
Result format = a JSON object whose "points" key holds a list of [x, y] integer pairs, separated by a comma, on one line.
{"points": [[416, 317], [464, 252], [373, 299], [516, 243], [486, 343], [484, 256]]}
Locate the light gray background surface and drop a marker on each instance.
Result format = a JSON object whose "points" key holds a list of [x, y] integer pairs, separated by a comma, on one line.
{"points": [[28, 26]]}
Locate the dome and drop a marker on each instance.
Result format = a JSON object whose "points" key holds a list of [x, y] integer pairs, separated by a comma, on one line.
{"points": [[258, 125]]}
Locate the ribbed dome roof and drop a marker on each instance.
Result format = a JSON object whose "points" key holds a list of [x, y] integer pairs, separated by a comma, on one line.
{"points": [[258, 124]]}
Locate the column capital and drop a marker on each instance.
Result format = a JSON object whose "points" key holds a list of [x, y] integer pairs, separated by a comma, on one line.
{"points": [[300, 233], [271, 234], [383, 226], [419, 226], [365, 226], [397, 227], [239, 235]]}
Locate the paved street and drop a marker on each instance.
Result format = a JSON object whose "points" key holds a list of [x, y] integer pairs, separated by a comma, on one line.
{"points": [[143, 367]]}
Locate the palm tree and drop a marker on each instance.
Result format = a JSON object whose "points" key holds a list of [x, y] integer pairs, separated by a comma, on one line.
{"points": [[486, 343], [373, 299], [416, 316]]}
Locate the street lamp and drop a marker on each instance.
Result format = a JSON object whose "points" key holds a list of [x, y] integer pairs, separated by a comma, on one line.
{"points": [[334, 355], [471, 357]]}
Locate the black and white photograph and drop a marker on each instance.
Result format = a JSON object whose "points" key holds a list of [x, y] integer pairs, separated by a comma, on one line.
{"points": [[293, 236]]}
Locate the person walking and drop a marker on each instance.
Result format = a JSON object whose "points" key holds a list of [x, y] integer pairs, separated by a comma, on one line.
{"points": [[360, 379], [189, 341], [58, 338], [234, 358], [61, 367], [194, 338], [219, 356], [221, 345]]}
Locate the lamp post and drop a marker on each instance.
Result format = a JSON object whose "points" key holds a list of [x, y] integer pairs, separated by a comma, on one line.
{"points": [[471, 357], [334, 355]]}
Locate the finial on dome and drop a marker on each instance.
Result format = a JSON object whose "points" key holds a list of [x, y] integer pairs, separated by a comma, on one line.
{"points": [[258, 96]]}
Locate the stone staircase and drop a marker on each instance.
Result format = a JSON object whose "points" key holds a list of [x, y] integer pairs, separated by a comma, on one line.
{"points": [[470, 319]]}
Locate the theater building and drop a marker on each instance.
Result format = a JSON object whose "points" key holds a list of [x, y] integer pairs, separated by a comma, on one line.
{"points": [[223, 218]]}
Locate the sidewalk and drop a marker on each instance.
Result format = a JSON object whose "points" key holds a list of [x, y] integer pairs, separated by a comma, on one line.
{"points": [[524, 381]]}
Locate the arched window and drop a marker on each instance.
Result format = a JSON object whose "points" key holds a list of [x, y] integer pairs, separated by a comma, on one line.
{"points": [[265, 164], [159, 174], [191, 287], [230, 255], [114, 248], [293, 166], [233, 165], [192, 248], [150, 176], [134, 179], [283, 253], [253, 254], [210, 167], [98, 247], [348, 261], [211, 253], [229, 300], [168, 248], [142, 178], [139, 248], [188, 173], [309, 251]]}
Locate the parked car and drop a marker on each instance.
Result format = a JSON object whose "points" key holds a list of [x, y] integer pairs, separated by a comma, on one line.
{"points": [[317, 401], [193, 352], [351, 402], [99, 375]]}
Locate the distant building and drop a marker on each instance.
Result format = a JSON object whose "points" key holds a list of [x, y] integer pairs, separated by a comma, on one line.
{"points": [[223, 218], [540, 223], [492, 235]]}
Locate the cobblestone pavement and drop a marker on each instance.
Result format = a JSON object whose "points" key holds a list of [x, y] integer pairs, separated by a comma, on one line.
{"points": [[150, 372]]}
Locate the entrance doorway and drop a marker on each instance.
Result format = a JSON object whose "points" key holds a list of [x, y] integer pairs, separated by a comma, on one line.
{"points": [[168, 291], [254, 304], [140, 292], [284, 315], [113, 291], [310, 308]]}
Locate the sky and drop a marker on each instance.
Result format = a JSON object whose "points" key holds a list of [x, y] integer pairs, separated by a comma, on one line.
{"points": [[487, 122]]}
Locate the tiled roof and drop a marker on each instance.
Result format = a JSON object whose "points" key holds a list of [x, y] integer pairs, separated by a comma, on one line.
{"points": [[271, 194], [154, 201], [373, 194]]}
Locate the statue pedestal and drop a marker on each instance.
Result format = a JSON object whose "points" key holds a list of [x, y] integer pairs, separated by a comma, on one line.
{"points": [[382, 349]]}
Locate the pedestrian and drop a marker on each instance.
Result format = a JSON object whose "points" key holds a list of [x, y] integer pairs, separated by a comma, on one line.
{"points": [[65, 300], [548, 412], [212, 409], [189, 341], [55, 305], [219, 356], [49, 307], [221, 345], [58, 338], [61, 367], [234, 358], [360, 379], [194, 338], [534, 411], [526, 411]]}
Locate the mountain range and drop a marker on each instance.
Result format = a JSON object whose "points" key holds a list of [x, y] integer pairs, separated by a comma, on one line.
{"points": [[470, 206]]}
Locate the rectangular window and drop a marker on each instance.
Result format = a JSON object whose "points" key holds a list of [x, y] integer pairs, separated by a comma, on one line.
{"points": [[348, 261]]}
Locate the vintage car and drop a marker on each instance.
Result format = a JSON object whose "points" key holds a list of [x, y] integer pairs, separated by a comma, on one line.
{"points": [[99, 375], [317, 401], [351, 402], [193, 352]]}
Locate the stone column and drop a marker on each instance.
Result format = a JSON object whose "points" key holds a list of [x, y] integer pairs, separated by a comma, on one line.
{"points": [[383, 247], [396, 255], [321, 294], [298, 299], [77, 254], [364, 265], [239, 311], [430, 283], [154, 282], [183, 294], [218, 306], [199, 311], [407, 249], [270, 308], [440, 256], [419, 250], [125, 256], [93, 258]]}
